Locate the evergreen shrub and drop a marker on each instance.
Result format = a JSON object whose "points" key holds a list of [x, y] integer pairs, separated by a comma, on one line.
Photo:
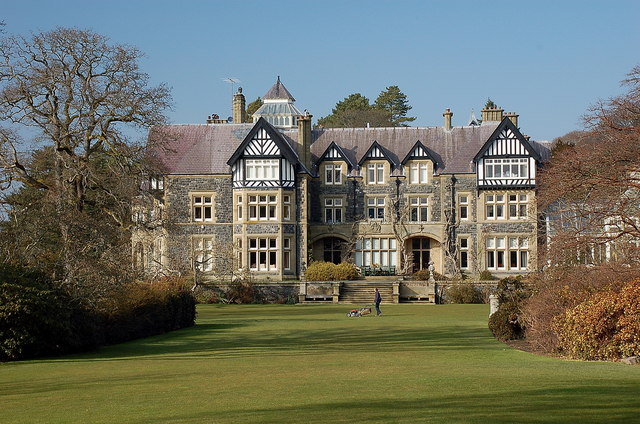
{"points": [[328, 271], [35, 316], [38, 318], [505, 323]]}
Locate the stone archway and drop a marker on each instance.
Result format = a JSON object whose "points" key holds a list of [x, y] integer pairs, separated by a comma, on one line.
{"points": [[422, 250], [329, 249]]}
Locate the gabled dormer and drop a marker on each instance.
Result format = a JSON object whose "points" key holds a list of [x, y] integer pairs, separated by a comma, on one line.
{"points": [[263, 159], [419, 164], [334, 165], [378, 164], [506, 160]]}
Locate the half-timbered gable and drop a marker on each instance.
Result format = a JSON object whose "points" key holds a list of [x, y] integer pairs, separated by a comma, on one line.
{"points": [[418, 152], [264, 159], [507, 160], [335, 153]]}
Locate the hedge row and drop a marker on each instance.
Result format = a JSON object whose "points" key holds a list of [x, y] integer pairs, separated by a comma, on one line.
{"points": [[37, 318]]}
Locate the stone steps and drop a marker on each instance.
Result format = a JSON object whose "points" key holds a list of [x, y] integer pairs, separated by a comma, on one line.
{"points": [[363, 293]]}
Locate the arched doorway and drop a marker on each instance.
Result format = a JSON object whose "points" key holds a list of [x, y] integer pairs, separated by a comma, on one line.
{"points": [[420, 249], [329, 249]]}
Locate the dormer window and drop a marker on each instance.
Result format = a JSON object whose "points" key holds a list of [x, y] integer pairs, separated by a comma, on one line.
{"points": [[333, 174], [262, 169], [418, 172], [375, 173]]}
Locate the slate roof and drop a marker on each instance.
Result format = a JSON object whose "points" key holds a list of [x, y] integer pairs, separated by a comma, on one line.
{"points": [[452, 150], [197, 149], [205, 149], [278, 92]]}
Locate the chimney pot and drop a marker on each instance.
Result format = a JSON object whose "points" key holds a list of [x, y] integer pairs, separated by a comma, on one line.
{"points": [[447, 119]]}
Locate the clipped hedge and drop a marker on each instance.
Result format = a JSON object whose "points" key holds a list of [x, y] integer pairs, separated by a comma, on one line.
{"points": [[37, 318], [328, 271], [604, 327], [148, 308]]}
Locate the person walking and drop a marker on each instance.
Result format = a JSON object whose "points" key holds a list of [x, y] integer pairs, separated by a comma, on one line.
{"points": [[377, 301]]}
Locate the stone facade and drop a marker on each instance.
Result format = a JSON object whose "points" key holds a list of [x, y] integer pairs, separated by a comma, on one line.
{"points": [[270, 199]]}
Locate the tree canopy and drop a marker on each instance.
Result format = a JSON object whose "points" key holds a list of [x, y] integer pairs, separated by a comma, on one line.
{"points": [[252, 107], [395, 102], [356, 110], [77, 94]]}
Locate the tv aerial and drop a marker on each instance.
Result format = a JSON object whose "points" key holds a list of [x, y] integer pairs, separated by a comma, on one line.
{"points": [[233, 81]]}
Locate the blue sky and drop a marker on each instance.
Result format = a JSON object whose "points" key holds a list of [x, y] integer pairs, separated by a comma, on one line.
{"points": [[546, 60]]}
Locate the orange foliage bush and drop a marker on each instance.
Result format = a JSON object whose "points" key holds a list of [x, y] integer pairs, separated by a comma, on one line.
{"points": [[606, 326], [559, 289]]}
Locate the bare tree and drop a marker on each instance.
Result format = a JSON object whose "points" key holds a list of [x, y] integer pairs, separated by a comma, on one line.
{"points": [[591, 187], [79, 95]]}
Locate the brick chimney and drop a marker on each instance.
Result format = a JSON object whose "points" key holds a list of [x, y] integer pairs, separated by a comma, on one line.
{"points": [[303, 146], [239, 107], [513, 117], [492, 115], [447, 119]]}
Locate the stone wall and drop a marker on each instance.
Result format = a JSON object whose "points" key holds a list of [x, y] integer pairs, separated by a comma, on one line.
{"points": [[181, 229]]}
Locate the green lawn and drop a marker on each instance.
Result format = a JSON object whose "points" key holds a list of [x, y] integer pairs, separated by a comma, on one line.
{"points": [[312, 364]]}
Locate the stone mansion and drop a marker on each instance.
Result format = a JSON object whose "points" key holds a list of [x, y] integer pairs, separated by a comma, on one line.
{"points": [[273, 195]]}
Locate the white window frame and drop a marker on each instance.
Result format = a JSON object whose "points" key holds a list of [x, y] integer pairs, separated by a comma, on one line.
{"points": [[518, 206], [419, 205], [418, 172], [375, 173], [203, 253], [370, 251], [333, 174], [262, 169], [202, 207], [259, 248], [463, 207], [495, 206], [333, 212], [239, 204], [263, 207], [507, 253], [376, 208], [508, 168], [286, 207], [463, 242], [286, 254]]}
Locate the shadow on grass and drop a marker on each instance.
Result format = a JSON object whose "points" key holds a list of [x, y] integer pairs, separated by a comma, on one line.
{"points": [[253, 337], [610, 402]]}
